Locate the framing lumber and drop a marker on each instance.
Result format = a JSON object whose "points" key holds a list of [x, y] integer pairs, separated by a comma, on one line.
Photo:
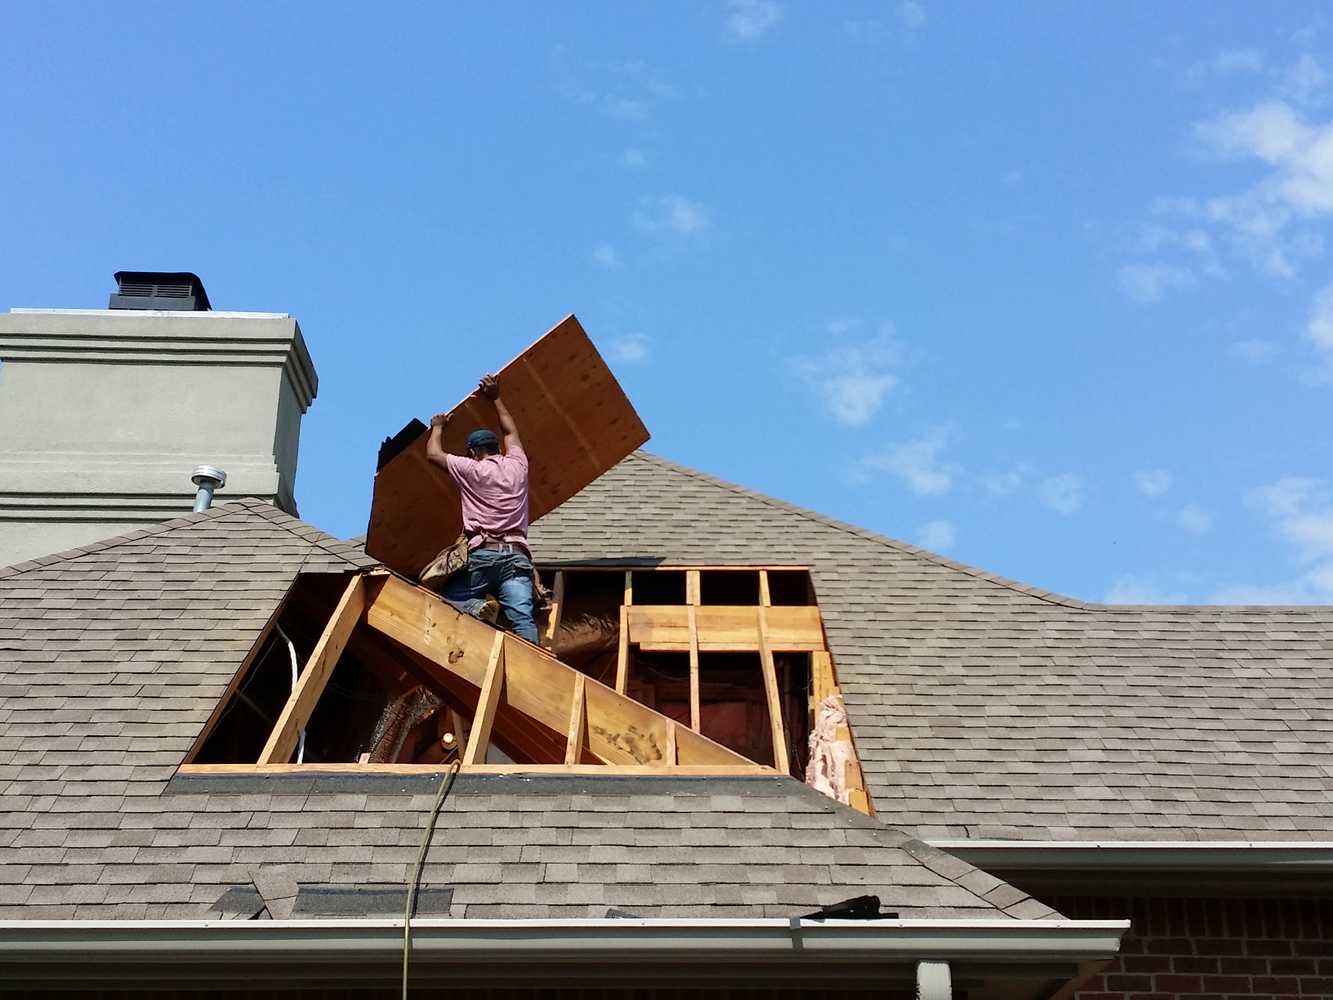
{"points": [[536, 686], [557, 606], [479, 735], [577, 728], [780, 759], [716, 770], [693, 587], [765, 598], [671, 747], [666, 628], [695, 714], [319, 668], [629, 588], [622, 651]]}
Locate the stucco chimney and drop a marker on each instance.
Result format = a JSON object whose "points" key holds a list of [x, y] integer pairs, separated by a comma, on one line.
{"points": [[104, 412]]}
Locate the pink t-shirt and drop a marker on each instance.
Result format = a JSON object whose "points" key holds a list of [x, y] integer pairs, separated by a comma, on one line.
{"points": [[495, 496]]}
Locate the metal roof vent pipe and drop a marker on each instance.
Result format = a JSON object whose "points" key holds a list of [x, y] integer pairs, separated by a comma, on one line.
{"points": [[208, 480]]}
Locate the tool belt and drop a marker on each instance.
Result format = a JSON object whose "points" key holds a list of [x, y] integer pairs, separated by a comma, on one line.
{"points": [[451, 559]]}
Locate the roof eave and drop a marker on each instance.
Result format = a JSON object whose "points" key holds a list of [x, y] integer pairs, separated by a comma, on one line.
{"points": [[36, 952]]}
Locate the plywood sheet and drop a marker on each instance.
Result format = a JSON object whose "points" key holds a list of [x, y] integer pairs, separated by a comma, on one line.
{"points": [[575, 422]]}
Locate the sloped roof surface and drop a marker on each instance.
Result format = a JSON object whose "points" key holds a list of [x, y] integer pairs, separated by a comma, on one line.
{"points": [[113, 656], [982, 708]]}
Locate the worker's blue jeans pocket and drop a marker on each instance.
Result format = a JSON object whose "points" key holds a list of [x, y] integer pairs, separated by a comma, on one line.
{"points": [[507, 575]]}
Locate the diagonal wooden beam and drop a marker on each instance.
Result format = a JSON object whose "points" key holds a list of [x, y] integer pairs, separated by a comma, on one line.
{"points": [[319, 668], [479, 736], [622, 652], [780, 760]]}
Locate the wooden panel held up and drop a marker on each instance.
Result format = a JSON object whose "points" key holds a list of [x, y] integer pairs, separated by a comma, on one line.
{"points": [[575, 422]]}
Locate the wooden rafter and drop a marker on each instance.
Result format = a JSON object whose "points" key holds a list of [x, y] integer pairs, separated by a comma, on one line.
{"points": [[300, 705], [557, 608]]}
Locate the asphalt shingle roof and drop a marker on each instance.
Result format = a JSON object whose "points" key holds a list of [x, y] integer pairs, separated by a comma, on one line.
{"points": [[113, 656], [983, 708]]}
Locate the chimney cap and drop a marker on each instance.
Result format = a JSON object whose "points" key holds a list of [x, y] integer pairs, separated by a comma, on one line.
{"points": [[174, 290]]}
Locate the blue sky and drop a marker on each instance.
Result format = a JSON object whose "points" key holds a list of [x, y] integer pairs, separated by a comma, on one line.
{"points": [[1046, 288]]}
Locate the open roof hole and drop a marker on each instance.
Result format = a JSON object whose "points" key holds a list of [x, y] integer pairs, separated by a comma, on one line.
{"points": [[589, 632], [794, 691], [790, 588], [733, 708], [662, 682], [662, 586], [728, 586]]}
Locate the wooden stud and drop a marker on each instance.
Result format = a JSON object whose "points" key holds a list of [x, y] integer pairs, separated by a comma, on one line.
{"points": [[764, 597], [693, 588], [780, 760], [281, 743], [480, 736], [577, 728], [670, 755], [629, 589], [622, 651], [557, 606], [695, 714]]}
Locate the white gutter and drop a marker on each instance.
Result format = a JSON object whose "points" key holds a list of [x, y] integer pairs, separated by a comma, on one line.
{"points": [[73, 941]]}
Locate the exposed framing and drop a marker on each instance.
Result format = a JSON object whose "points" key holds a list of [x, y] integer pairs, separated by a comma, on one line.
{"points": [[598, 729]]}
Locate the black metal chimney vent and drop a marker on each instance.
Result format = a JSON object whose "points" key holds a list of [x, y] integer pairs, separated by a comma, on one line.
{"points": [[177, 290]]}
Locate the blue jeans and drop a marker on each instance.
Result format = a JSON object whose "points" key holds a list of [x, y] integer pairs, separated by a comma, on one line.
{"points": [[507, 575]]}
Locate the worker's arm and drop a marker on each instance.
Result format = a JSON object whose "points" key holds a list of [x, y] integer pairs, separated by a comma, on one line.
{"points": [[490, 388], [434, 445]]}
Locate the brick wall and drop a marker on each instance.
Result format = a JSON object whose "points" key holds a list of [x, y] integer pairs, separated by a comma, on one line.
{"points": [[1213, 949]]}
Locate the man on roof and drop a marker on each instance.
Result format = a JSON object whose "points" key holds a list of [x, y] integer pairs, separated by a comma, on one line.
{"points": [[493, 484]]}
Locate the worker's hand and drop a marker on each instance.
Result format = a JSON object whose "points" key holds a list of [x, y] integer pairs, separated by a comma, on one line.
{"points": [[489, 387], [441, 420]]}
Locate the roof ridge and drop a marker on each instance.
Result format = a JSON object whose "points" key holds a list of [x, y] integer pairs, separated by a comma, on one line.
{"points": [[1048, 596], [223, 509], [290, 523]]}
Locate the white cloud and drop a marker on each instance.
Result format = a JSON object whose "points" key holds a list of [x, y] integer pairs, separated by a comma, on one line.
{"points": [[1305, 80], [911, 15], [1132, 589], [674, 215], [1319, 330], [917, 463], [1147, 283], [1255, 352], [938, 536], [1152, 482], [1195, 519], [626, 90], [748, 20], [1302, 515], [1064, 494], [630, 349], [851, 376], [605, 255], [1006, 483], [634, 159], [1285, 496]]}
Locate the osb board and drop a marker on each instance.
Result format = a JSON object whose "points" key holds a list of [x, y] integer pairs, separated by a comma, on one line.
{"points": [[575, 422]]}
